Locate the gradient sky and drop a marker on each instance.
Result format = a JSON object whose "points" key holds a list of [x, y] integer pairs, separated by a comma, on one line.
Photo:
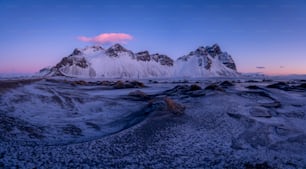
{"points": [[262, 36]]}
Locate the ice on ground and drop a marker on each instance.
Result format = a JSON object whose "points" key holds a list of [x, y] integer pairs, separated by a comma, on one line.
{"points": [[232, 123]]}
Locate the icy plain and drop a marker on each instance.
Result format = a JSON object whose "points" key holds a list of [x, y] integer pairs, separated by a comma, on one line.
{"points": [[111, 123]]}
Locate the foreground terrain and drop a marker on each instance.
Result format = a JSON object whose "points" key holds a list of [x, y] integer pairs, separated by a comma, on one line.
{"points": [[199, 123]]}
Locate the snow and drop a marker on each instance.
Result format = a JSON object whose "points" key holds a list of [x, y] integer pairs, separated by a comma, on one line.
{"points": [[191, 68], [93, 126]]}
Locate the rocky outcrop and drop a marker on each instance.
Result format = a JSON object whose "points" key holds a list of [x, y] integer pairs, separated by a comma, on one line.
{"points": [[214, 50], [143, 56], [69, 61], [162, 59], [115, 50]]}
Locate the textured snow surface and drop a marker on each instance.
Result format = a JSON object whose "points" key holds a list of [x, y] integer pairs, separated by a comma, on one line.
{"points": [[228, 123]]}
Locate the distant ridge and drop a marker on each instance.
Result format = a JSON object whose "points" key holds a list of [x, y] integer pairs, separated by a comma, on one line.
{"points": [[119, 62]]}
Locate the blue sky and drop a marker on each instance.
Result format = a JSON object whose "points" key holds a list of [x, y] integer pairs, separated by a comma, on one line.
{"points": [[269, 34]]}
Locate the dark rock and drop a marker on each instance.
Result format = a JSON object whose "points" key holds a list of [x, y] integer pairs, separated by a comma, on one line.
{"points": [[260, 112], [6, 85], [274, 104], [303, 86], [143, 56], [105, 83], [267, 80], [253, 87], [82, 63], [137, 84], [214, 87], [226, 84], [279, 85], [227, 60], [297, 105], [72, 130], [69, 61], [177, 90], [140, 95], [162, 59], [76, 52], [93, 125], [133, 84], [252, 81], [205, 61], [295, 114], [195, 87], [80, 82], [263, 165], [115, 49], [214, 50], [234, 115], [33, 132], [94, 48], [153, 81], [185, 90], [7, 124], [119, 85]]}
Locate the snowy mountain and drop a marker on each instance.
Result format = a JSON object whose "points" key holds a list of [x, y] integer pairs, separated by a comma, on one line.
{"points": [[119, 62]]}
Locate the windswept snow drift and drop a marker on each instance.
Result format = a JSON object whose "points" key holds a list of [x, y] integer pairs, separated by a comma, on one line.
{"points": [[118, 62]]}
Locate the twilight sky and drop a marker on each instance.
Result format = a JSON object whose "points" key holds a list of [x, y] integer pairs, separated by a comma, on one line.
{"points": [[262, 36]]}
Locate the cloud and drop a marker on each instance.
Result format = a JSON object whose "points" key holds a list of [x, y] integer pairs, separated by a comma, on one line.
{"points": [[260, 67], [105, 38]]}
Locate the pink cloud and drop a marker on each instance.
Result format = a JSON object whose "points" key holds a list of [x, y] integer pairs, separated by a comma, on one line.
{"points": [[107, 38]]}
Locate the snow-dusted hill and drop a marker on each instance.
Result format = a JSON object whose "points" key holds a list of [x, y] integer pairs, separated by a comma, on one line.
{"points": [[119, 62]]}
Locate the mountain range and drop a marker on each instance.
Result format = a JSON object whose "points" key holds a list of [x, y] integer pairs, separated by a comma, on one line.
{"points": [[119, 62]]}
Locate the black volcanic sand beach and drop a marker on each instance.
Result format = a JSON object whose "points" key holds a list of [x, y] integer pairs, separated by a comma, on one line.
{"points": [[199, 123]]}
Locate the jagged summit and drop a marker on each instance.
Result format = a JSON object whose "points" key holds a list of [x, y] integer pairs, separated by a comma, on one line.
{"points": [[214, 50], [116, 49], [87, 50], [94, 48], [119, 62], [206, 61]]}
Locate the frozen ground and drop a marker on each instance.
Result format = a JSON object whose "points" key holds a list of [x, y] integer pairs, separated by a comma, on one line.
{"points": [[227, 123]]}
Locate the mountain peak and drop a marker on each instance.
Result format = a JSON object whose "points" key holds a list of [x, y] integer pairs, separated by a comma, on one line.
{"points": [[76, 52], [117, 47], [93, 48], [86, 50], [214, 50]]}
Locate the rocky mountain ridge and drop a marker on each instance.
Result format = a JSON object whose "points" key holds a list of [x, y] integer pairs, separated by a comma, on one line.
{"points": [[119, 62]]}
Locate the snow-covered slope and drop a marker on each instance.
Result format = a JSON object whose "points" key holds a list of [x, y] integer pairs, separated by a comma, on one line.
{"points": [[119, 62], [206, 61]]}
